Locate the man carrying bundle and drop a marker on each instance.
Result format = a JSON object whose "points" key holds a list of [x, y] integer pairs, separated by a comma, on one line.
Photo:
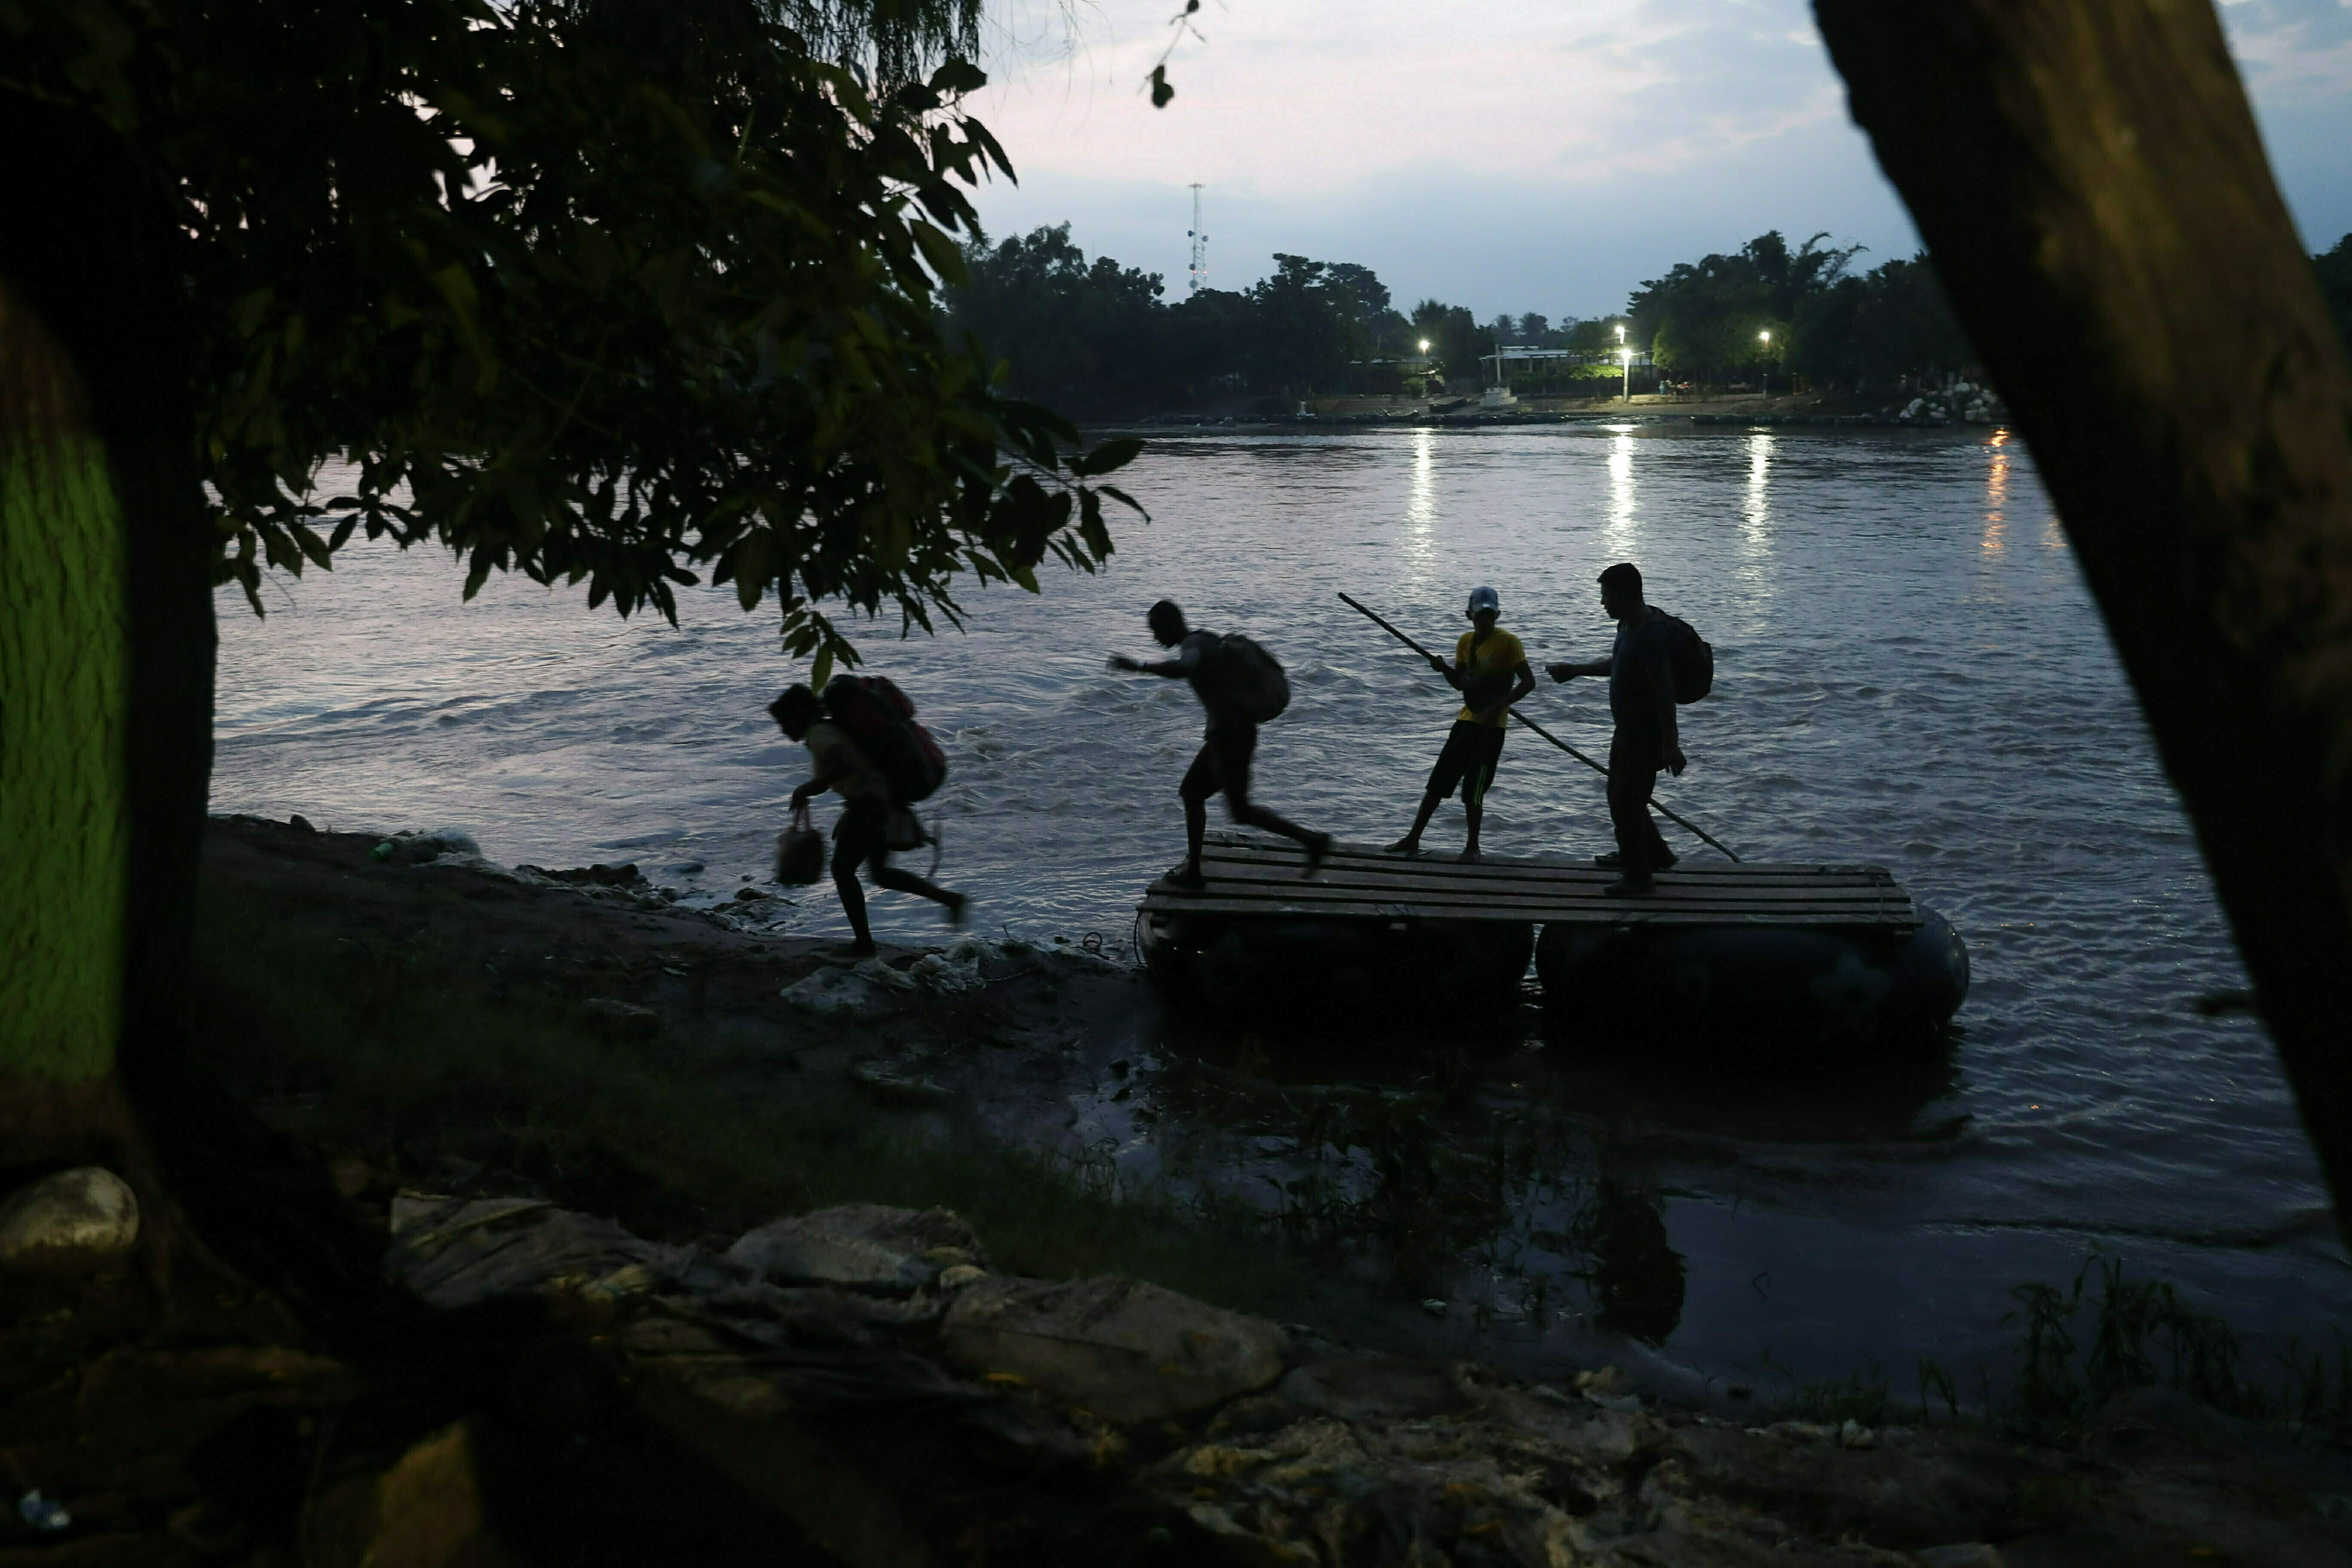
{"points": [[1642, 697], [1490, 669], [1239, 686], [862, 835]]}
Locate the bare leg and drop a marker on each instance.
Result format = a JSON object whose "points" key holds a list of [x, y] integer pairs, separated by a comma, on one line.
{"points": [[1200, 783], [1473, 811], [845, 857], [1411, 842], [886, 875], [1248, 814]]}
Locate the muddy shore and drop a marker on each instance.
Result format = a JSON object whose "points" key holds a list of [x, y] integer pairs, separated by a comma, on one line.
{"points": [[655, 1364]]}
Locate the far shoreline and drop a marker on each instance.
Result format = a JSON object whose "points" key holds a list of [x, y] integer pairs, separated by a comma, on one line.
{"points": [[1749, 411]]}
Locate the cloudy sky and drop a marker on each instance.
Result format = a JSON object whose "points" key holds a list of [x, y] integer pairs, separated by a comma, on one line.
{"points": [[1505, 155]]}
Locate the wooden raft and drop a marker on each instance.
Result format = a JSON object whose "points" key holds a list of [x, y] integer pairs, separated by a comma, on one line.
{"points": [[1249, 877]]}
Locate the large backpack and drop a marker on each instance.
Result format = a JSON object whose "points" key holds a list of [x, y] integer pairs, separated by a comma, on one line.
{"points": [[1690, 657], [1252, 677], [876, 714]]}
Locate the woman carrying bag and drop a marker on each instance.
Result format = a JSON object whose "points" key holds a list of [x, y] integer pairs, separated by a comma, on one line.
{"points": [[862, 835]]}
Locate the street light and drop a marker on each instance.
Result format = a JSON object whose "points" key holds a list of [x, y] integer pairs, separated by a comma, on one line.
{"points": [[1626, 354], [1424, 345], [1765, 339]]}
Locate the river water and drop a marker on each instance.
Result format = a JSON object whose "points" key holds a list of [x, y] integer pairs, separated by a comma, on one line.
{"points": [[1909, 672]]}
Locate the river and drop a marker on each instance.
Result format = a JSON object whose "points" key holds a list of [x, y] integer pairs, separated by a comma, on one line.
{"points": [[1909, 672]]}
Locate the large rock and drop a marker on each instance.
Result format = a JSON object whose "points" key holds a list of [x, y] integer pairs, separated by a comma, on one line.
{"points": [[454, 1252], [425, 1511], [1915, 1490], [1125, 1349], [73, 1222], [620, 1020], [1377, 1388], [866, 1246]]}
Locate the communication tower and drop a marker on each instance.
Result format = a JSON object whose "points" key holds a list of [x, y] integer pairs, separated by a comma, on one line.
{"points": [[1198, 279]]}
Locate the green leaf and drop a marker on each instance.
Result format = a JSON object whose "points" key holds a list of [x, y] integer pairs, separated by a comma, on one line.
{"points": [[960, 76], [1161, 91], [945, 260], [1125, 500], [313, 547], [822, 671], [1106, 456]]}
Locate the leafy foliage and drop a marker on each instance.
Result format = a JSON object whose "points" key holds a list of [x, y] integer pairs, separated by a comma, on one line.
{"points": [[1871, 331], [1455, 339], [894, 40], [1076, 335], [610, 291], [1099, 338], [1706, 316]]}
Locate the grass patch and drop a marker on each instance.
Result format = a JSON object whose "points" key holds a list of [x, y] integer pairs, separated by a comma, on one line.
{"points": [[405, 1055], [2081, 1345]]}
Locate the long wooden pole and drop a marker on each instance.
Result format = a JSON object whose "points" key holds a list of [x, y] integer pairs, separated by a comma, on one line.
{"points": [[1547, 734]]}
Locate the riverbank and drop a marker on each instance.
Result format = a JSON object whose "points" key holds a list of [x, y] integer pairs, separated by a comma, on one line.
{"points": [[1844, 411], [575, 1067]]}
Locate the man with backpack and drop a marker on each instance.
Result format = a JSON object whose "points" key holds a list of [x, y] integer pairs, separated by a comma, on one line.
{"points": [[1490, 669], [867, 799], [1641, 701], [1239, 685]]}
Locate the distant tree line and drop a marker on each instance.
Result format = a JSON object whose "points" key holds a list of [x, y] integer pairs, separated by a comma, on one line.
{"points": [[1768, 308], [1096, 340]]}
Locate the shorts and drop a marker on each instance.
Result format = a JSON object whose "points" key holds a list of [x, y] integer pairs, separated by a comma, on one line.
{"points": [[1224, 763], [1472, 754]]}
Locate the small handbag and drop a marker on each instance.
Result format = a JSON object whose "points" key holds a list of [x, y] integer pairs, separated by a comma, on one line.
{"points": [[800, 851]]}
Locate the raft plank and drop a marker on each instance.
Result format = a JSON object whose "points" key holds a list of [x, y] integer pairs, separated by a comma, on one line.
{"points": [[1362, 882], [1492, 866], [1601, 911], [1162, 898], [1401, 879], [1496, 873]]}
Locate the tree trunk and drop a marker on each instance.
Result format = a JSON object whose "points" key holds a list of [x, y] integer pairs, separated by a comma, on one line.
{"points": [[106, 639], [2093, 192]]}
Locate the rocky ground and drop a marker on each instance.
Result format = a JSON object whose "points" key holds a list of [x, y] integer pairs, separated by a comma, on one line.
{"points": [[563, 1365]]}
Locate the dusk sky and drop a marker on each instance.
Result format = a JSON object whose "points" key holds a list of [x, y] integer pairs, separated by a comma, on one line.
{"points": [[1509, 157]]}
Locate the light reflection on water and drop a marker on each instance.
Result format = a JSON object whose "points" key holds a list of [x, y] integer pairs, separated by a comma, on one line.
{"points": [[1895, 685]]}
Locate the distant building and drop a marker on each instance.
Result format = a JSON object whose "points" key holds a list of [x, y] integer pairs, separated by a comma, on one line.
{"points": [[1512, 353]]}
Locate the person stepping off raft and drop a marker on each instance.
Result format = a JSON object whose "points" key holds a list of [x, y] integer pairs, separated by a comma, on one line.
{"points": [[862, 835], [1641, 701], [1490, 669], [1224, 763]]}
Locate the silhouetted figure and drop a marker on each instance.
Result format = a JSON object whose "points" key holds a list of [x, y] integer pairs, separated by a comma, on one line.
{"points": [[1490, 669], [862, 835], [1641, 701], [1224, 763]]}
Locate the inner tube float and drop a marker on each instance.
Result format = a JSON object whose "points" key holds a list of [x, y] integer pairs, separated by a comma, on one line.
{"points": [[1804, 990], [1217, 963]]}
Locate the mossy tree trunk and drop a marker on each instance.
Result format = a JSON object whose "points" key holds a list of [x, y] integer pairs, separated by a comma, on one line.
{"points": [[2092, 187], [106, 641]]}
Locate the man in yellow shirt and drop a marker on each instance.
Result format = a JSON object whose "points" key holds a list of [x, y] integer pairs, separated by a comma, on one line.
{"points": [[1490, 669]]}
